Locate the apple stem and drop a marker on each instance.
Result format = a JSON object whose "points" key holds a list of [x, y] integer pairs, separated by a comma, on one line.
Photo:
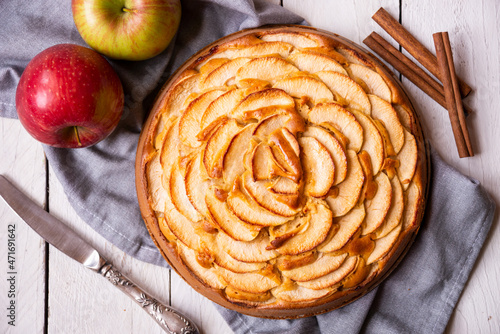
{"points": [[77, 136], [127, 10]]}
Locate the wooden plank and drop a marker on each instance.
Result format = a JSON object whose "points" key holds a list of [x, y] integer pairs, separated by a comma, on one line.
{"points": [[349, 19], [200, 309], [23, 163], [474, 31], [82, 301]]}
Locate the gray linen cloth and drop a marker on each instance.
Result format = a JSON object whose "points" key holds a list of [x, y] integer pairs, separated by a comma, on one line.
{"points": [[418, 297]]}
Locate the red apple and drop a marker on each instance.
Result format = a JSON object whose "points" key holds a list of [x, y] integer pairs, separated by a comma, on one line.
{"points": [[69, 96], [127, 29]]}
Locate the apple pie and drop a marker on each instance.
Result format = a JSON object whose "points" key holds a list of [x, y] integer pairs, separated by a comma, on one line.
{"points": [[282, 172]]}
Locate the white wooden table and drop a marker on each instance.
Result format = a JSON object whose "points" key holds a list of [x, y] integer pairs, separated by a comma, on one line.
{"points": [[54, 294]]}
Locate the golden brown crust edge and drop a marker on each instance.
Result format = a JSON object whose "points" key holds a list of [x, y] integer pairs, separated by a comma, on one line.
{"points": [[298, 309]]}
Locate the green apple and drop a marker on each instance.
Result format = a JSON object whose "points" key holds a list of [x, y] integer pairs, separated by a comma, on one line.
{"points": [[127, 29]]}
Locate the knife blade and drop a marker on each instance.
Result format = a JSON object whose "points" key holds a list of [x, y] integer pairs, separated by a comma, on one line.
{"points": [[62, 237]]}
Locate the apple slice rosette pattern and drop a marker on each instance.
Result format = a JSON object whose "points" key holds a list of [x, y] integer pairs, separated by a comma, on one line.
{"points": [[282, 172]]}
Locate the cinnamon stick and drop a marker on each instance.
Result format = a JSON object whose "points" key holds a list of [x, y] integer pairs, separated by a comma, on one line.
{"points": [[413, 46], [408, 62], [408, 68], [452, 94]]}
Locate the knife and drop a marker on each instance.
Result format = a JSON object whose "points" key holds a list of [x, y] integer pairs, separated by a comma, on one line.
{"points": [[67, 241]]}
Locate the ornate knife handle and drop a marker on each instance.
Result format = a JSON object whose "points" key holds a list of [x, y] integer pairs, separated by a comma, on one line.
{"points": [[169, 319]]}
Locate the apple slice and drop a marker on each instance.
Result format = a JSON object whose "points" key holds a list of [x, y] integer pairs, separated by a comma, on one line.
{"points": [[350, 189], [206, 133], [179, 197], [207, 67], [300, 86], [264, 165], [222, 106], [154, 176], [189, 124], [348, 225], [295, 39], [373, 142], [281, 234], [248, 298], [293, 122], [161, 129], [265, 68], [251, 85], [228, 222], [160, 167], [333, 278], [333, 147], [176, 97], [183, 229], [222, 74], [247, 251], [167, 155], [293, 201], [286, 186], [319, 170], [232, 166], [383, 111], [196, 182], [294, 261], [291, 138], [395, 213], [224, 260], [329, 52], [384, 245], [348, 89], [245, 208], [341, 119], [378, 207], [207, 275], [325, 264], [374, 81], [360, 274], [294, 293], [256, 104], [413, 201], [259, 191], [406, 117], [407, 157], [165, 230], [312, 62], [284, 136], [249, 282], [285, 152], [359, 245], [352, 56], [264, 49], [217, 146], [370, 187], [319, 221], [256, 48]]}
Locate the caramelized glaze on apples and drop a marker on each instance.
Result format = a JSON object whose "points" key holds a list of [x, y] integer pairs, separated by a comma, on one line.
{"points": [[290, 146]]}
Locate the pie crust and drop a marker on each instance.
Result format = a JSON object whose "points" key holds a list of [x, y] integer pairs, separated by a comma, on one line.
{"points": [[282, 172]]}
